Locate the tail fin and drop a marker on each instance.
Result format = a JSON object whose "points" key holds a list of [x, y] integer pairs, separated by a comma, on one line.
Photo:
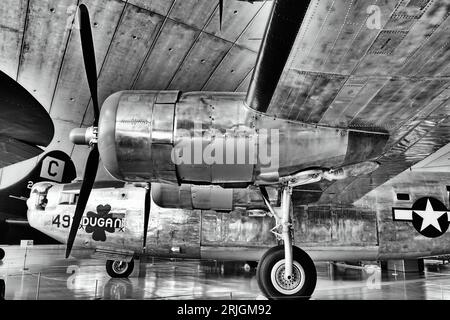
{"points": [[54, 166]]}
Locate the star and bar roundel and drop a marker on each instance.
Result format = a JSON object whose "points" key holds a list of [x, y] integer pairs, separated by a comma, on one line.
{"points": [[428, 215]]}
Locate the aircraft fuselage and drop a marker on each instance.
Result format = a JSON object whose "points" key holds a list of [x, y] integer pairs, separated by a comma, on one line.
{"points": [[238, 228]]}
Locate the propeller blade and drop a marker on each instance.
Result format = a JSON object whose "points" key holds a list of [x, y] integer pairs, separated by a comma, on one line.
{"points": [[90, 65], [86, 187], [220, 13], [146, 216]]}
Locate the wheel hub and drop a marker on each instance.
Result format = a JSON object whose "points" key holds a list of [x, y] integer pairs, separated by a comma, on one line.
{"points": [[119, 267], [287, 285], [290, 282]]}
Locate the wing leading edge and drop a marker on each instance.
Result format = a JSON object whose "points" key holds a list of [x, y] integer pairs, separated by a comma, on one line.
{"points": [[281, 31]]}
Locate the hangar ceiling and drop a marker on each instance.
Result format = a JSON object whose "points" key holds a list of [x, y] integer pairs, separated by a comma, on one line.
{"points": [[341, 72], [140, 44]]}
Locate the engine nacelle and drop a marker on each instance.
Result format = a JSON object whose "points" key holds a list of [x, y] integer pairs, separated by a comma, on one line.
{"points": [[213, 138], [162, 136], [135, 135]]}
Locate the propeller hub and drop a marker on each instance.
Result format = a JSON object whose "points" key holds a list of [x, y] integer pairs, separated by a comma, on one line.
{"points": [[84, 136]]}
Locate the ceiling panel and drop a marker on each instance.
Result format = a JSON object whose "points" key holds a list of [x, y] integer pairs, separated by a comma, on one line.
{"points": [[13, 13], [195, 13], [134, 37], [79, 157], [161, 7], [47, 31], [200, 63], [61, 139], [72, 92], [173, 44], [252, 36], [237, 15], [243, 86], [232, 70]]}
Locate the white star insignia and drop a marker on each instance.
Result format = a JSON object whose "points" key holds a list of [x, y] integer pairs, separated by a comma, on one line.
{"points": [[430, 217]]}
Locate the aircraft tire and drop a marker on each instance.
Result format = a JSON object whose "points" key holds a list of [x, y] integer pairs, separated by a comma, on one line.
{"points": [[2, 254], [270, 275], [119, 269]]}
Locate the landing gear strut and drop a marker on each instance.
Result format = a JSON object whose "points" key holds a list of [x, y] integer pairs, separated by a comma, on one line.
{"points": [[285, 271], [286, 230]]}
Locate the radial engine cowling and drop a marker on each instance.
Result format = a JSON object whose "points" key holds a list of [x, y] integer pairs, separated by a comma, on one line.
{"points": [[135, 135]]}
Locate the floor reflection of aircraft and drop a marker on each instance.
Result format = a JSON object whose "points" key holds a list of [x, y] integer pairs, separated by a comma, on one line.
{"points": [[332, 100], [166, 279], [54, 166], [2, 289], [118, 289]]}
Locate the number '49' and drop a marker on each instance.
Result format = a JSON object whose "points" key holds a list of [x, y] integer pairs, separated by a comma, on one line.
{"points": [[56, 220], [65, 221]]}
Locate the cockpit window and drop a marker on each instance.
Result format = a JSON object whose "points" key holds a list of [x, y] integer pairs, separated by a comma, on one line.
{"points": [[41, 199], [38, 197], [68, 198]]}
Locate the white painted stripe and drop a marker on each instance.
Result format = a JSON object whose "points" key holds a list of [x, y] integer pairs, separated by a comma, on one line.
{"points": [[403, 214]]}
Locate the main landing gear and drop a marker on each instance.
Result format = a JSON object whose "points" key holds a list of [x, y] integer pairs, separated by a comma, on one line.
{"points": [[2, 254], [119, 269], [273, 280], [285, 271]]}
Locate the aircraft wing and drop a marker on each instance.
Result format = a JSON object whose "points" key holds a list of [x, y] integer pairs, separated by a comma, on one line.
{"points": [[13, 151], [24, 124], [379, 66]]}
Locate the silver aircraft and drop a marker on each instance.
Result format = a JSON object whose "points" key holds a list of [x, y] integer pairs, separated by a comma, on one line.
{"points": [[128, 221], [322, 129]]}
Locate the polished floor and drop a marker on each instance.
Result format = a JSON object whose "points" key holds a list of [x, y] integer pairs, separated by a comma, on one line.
{"points": [[42, 272]]}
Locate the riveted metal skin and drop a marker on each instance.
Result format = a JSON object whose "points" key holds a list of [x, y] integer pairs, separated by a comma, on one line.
{"points": [[213, 138], [113, 219]]}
